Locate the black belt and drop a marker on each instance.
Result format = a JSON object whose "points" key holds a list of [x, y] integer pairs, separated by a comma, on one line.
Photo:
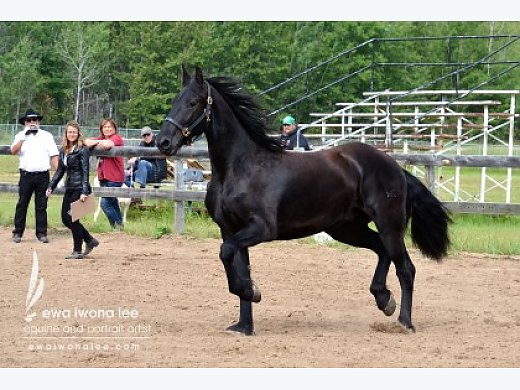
{"points": [[24, 172]]}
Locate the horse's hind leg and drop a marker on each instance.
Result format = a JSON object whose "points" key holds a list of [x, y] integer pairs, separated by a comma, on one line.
{"points": [[388, 213], [360, 235], [405, 270], [384, 298], [406, 274]]}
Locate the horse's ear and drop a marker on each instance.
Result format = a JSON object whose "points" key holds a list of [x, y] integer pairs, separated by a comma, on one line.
{"points": [[198, 76], [185, 76]]}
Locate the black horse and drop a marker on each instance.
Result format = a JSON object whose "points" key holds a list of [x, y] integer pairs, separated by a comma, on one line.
{"points": [[258, 192]]}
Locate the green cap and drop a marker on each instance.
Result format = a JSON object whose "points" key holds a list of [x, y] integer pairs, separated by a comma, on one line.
{"points": [[288, 120]]}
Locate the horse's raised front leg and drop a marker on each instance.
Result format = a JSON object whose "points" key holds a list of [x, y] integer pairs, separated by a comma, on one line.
{"points": [[238, 274], [235, 257], [237, 264]]}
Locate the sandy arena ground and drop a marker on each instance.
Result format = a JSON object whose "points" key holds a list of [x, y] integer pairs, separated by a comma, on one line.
{"points": [[164, 303]]}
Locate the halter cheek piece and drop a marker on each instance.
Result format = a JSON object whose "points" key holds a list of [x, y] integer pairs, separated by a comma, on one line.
{"points": [[187, 130]]}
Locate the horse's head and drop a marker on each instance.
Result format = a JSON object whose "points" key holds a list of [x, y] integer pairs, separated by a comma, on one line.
{"points": [[189, 115]]}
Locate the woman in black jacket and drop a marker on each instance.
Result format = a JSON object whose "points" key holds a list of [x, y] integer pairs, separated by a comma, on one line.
{"points": [[74, 158]]}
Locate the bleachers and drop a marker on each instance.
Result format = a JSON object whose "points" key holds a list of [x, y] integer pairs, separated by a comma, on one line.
{"points": [[446, 122], [422, 120]]}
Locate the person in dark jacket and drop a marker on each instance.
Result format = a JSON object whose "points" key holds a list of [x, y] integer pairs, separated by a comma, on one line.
{"points": [[290, 137], [146, 169], [74, 159]]}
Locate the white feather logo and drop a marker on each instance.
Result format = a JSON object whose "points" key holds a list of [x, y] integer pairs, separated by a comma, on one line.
{"points": [[35, 292]]}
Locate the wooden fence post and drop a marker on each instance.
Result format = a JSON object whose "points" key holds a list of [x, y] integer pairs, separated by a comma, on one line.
{"points": [[180, 214], [430, 177]]}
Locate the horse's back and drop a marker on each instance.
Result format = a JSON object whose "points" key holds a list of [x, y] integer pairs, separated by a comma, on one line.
{"points": [[368, 156], [373, 164]]}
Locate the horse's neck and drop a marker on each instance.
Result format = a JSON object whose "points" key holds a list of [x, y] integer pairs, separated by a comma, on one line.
{"points": [[225, 149], [228, 142]]}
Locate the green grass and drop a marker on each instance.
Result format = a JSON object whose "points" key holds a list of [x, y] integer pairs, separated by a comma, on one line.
{"points": [[470, 178], [469, 233], [493, 234], [154, 219], [9, 169], [493, 149], [489, 234]]}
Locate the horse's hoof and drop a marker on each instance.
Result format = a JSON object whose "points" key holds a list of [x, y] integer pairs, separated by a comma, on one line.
{"points": [[408, 328], [257, 294], [240, 329], [390, 306]]}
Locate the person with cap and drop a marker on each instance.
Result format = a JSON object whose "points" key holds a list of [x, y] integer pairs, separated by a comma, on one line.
{"points": [[38, 152], [146, 169], [291, 137]]}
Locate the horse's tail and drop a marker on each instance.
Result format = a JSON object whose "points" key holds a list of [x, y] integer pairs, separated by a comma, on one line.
{"points": [[430, 219]]}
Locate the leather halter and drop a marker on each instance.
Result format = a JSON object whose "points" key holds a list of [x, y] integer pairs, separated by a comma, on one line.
{"points": [[187, 130]]}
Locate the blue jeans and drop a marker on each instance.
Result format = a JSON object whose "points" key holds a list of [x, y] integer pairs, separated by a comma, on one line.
{"points": [[110, 206], [145, 173]]}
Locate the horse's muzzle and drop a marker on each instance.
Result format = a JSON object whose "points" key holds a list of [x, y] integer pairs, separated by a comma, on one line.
{"points": [[167, 147]]}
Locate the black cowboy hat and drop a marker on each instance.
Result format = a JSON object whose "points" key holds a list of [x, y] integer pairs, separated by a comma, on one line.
{"points": [[29, 114]]}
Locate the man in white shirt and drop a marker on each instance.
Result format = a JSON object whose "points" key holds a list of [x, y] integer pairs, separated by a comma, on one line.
{"points": [[38, 152]]}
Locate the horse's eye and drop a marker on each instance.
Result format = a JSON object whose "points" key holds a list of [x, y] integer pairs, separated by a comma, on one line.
{"points": [[193, 103]]}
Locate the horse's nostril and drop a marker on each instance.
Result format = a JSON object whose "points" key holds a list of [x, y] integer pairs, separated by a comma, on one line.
{"points": [[164, 144]]}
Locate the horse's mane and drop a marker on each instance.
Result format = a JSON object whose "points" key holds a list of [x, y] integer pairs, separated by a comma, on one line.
{"points": [[247, 109]]}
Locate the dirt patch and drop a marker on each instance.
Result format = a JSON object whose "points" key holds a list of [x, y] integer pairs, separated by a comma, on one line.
{"points": [[164, 303]]}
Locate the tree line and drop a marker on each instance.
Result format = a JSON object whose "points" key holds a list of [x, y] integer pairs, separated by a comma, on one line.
{"points": [[131, 70]]}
